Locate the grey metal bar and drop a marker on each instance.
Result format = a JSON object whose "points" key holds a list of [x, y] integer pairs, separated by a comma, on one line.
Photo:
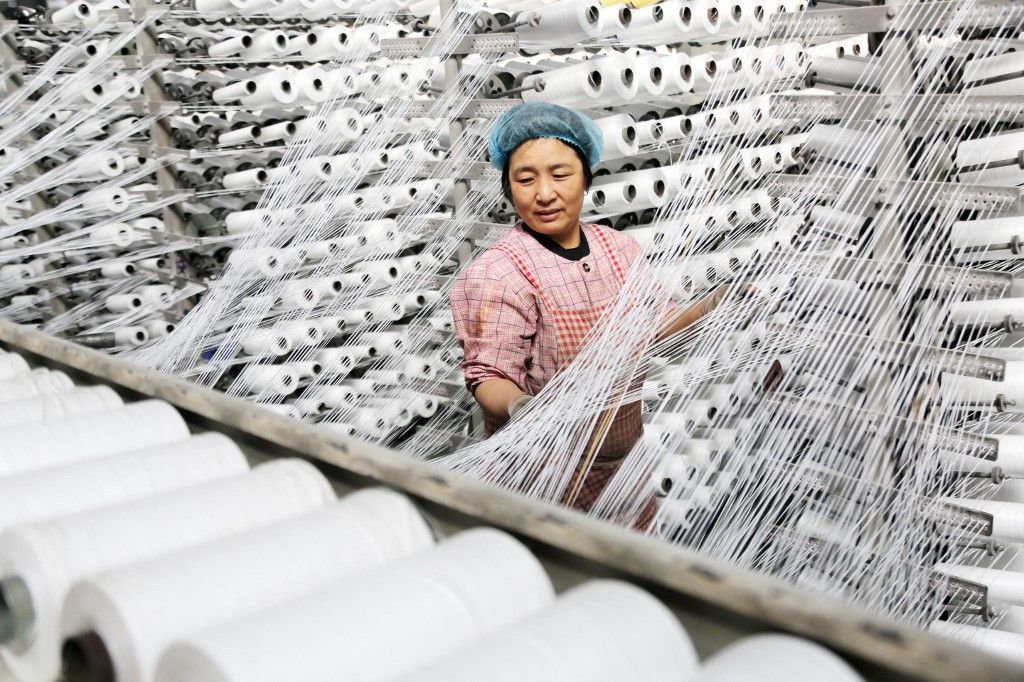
{"points": [[867, 636]]}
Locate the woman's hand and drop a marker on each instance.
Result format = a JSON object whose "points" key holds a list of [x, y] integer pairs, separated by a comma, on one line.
{"points": [[497, 396]]}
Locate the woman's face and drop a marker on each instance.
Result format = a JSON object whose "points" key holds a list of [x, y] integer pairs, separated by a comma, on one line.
{"points": [[547, 182]]}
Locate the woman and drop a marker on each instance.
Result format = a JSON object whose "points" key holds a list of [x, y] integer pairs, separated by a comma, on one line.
{"points": [[524, 306]]}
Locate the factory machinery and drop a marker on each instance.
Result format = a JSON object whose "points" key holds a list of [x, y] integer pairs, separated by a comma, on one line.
{"points": [[271, 199], [152, 529]]}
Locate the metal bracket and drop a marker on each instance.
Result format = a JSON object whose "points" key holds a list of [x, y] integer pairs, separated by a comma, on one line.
{"points": [[474, 108], [483, 43], [912, 16], [965, 597], [934, 194], [955, 109], [966, 364], [819, 22], [960, 519]]}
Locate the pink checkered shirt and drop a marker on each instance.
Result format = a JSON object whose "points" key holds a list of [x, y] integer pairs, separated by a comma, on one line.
{"points": [[500, 322]]}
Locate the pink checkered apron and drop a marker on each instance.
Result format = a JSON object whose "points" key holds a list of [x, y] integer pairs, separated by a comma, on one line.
{"points": [[626, 425]]}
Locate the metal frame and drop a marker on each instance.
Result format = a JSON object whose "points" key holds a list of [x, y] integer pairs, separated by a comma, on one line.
{"points": [[683, 573]]}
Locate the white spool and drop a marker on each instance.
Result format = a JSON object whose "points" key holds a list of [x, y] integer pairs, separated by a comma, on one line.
{"points": [[120, 235], [774, 658], [987, 311], [205, 6], [684, 21], [115, 479], [312, 85], [338, 396], [12, 365], [387, 343], [233, 45], [158, 328], [574, 86], [277, 380], [342, 359], [213, 584], [43, 408], [1003, 644], [31, 384], [469, 586], [262, 262], [987, 150], [272, 89], [74, 12], [645, 21], [302, 333], [325, 42], [99, 165], [122, 303], [106, 200], [84, 436], [252, 178], [239, 136], [75, 547], [15, 272], [266, 45], [118, 270], [612, 198], [383, 272], [265, 342], [620, 137], [234, 91], [602, 631], [566, 22]]}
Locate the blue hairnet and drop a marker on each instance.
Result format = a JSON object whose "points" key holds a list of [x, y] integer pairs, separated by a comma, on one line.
{"points": [[540, 119]]}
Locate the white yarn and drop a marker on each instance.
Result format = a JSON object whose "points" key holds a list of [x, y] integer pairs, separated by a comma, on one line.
{"points": [[50, 556], [114, 479], [211, 584], [56, 442], [55, 405], [602, 631], [367, 628]]}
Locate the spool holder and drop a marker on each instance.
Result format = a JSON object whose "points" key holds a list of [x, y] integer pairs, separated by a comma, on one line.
{"points": [[888, 19], [886, 191], [953, 109], [963, 597], [480, 43], [956, 519]]}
